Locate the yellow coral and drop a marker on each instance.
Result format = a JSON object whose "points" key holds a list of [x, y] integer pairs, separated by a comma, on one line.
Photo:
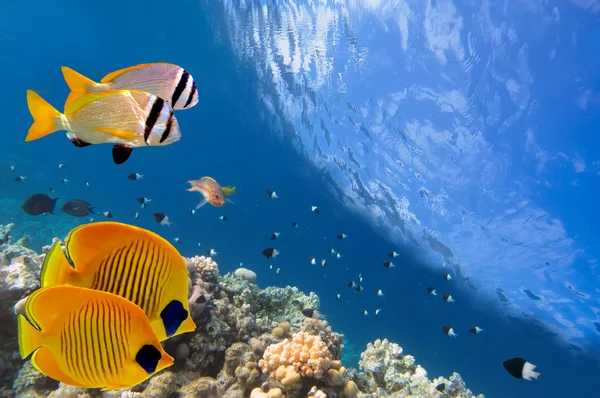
{"points": [[306, 354]]}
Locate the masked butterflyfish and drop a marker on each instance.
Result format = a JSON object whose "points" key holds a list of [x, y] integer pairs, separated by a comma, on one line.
{"points": [[131, 262], [89, 338], [127, 119], [170, 82]]}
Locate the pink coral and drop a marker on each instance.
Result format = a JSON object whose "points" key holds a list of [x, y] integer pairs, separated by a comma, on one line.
{"points": [[308, 355]]}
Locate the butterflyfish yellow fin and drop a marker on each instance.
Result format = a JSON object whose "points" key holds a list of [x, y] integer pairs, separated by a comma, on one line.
{"points": [[228, 190], [113, 75], [46, 119], [30, 339], [44, 361], [56, 269], [127, 135]]}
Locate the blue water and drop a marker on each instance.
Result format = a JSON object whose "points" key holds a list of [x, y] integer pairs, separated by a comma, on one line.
{"points": [[226, 136]]}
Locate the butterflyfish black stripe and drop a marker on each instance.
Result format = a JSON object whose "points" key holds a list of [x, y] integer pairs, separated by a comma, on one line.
{"points": [[90, 351], [129, 277], [103, 314], [115, 271], [154, 280], [112, 342], [191, 97], [153, 117], [144, 289], [167, 131], [128, 264], [95, 343], [83, 352], [101, 329], [180, 87], [137, 283]]}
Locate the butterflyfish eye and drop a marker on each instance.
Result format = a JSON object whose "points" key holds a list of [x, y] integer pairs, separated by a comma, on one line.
{"points": [[148, 357]]}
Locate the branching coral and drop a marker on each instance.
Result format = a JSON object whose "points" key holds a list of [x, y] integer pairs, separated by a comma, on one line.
{"points": [[304, 354], [205, 268]]}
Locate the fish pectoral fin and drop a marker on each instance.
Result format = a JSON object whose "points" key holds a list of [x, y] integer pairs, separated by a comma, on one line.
{"points": [[44, 361], [78, 142], [127, 135], [114, 387], [230, 201], [121, 153], [202, 203]]}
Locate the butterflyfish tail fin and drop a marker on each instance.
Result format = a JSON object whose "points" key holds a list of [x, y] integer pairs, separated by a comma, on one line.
{"points": [[46, 119], [228, 190], [30, 339], [56, 269]]}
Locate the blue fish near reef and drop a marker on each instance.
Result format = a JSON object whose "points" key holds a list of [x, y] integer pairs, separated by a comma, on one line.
{"points": [[127, 119]]}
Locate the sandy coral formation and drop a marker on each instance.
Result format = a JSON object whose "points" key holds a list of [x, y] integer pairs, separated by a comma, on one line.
{"points": [[390, 373], [302, 355], [249, 342]]}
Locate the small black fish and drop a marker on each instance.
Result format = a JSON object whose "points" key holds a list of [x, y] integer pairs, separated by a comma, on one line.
{"points": [[342, 236], [272, 194], [447, 277], [20, 178], [448, 331], [432, 291], [270, 253], [161, 219], [359, 288], [475, 330], [311, 313], [275, 236], [77, 208], [441, 387], [39, 203], [520, 368], [135, 176], [447, 297], [143, 200], [388, 264], [294, 224], [315, 209], [351, 284], [393, 254], [108, 214], [223, 218]]}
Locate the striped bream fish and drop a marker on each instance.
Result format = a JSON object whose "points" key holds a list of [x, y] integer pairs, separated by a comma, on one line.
{"points": [[89, 338], [126, 118], [131, 262], [170, 82]]}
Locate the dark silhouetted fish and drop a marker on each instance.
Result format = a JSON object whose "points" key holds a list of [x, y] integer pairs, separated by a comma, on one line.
{"points": [[39, 204], [270, 253], [77, 208], [520, 368]]}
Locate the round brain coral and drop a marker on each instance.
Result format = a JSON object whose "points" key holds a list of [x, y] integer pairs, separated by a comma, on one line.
{"points": [[307, 354]]}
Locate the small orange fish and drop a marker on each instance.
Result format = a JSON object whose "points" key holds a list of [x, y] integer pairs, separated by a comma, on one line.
{"points": [[211, 191]]}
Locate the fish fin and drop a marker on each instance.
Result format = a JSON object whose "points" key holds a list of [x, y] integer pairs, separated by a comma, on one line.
{"points": [[230, 201], [30, 338], [228, 190], [202, 203], [79, 84], [78, 142], [121, 153], [56, 269], [46, 119], [127, 135], [44, 361], [113, 75]]}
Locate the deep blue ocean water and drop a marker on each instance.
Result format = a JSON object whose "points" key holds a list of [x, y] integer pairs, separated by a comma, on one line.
{"points": [[225, 137]]}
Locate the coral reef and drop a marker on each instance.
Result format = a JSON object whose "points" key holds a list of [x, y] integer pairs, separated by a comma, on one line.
{"points": [[249, 342]]}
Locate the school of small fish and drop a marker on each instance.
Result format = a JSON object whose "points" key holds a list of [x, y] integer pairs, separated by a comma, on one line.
{"points": [[104, 287]]}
